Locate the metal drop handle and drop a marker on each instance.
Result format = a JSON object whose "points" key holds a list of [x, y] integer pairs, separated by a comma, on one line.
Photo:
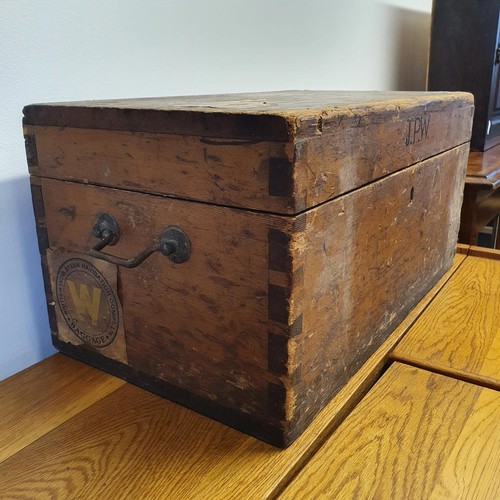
{"points": [[173, 243]]}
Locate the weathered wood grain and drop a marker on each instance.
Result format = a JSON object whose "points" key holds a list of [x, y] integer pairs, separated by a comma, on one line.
{"points": [[235, 173], [361, 277], [460, 332], [201, 325], [363, 145], [416, 434], [334, 142], [42, 397], [258, 115]]}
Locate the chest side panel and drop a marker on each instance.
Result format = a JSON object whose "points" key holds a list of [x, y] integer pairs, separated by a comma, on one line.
{"points": [[201, 325], [367, 258], [353, 148], [235, 172]]}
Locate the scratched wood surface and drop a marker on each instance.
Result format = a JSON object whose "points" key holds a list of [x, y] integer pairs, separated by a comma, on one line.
{"points": [[138, 445], [201, 325], [183, 166], [283, 101], [281, 152], [459, 333], [42, 397], [352, 294], [416, 434]]}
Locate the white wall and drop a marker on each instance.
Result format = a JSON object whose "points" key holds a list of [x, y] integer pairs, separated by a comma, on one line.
{"points": [[72, 50]]}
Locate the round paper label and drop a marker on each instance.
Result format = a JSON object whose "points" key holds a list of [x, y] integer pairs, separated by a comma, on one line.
{"points": [[88, 303]]}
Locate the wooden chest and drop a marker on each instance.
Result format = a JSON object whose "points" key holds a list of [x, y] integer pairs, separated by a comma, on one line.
{"points": [[244, 254]]}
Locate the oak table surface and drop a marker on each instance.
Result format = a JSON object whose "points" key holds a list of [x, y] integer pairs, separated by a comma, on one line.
{"points": [[459, 333], [417, 434], [105, 438], [42, 397]]}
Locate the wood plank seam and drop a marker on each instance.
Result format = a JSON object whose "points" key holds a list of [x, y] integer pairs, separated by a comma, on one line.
{"points": [[334, 423], [459, 335], [415, 432], [180, 198], [463, 248], [447, 371], [297, 214]]}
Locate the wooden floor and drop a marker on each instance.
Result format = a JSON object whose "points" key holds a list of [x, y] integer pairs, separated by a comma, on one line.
{"points": [[420, 420]]}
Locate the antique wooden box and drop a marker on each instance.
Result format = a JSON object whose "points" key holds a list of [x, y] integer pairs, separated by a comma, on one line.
{"points": [[244, 254]]}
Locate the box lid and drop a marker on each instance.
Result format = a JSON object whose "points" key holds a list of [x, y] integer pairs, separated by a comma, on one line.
{"points": [[280, 152]]}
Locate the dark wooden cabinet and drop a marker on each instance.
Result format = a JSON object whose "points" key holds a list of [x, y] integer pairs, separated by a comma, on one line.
{"points": [[465, 55]]}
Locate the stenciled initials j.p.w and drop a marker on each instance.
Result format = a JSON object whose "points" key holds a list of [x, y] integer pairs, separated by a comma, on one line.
{"points": [[417, 129]]}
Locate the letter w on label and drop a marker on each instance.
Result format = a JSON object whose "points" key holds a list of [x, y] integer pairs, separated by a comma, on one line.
{"points": [[83, 303]]}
